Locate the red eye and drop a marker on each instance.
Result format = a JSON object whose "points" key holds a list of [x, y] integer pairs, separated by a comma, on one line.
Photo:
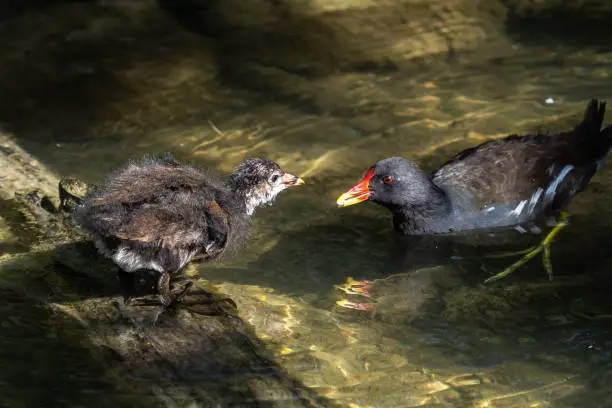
{"points": [[387, 180]]}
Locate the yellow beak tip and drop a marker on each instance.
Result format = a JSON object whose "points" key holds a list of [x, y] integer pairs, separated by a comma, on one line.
{"points": [[341, 201]]}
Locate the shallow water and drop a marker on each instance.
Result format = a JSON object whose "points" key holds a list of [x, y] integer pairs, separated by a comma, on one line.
{"points": [[86, 98]]}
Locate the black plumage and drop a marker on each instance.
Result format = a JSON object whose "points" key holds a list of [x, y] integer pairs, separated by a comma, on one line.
{"points": [[159, 214], [501, 183]]}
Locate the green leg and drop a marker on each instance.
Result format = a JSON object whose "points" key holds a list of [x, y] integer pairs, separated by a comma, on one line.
{"points": [[531, 253]]}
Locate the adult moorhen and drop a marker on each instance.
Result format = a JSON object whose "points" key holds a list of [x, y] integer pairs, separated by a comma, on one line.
{"points": [[513, 182], [159, 214]]}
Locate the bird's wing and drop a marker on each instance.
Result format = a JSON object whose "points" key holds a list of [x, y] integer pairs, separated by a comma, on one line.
{"points": [[162, 187], [540, 169], [142, 183], [513, 169], [201, 226]]}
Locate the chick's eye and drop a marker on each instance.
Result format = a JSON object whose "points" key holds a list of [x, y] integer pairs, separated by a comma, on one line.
{"points": [[387, 180], [274, 178]]}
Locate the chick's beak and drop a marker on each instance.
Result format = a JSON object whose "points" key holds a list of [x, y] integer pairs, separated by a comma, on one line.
{"points": [[291, 180], [358, 193]]}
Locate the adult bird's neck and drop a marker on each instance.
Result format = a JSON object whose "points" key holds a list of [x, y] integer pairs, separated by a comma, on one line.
{"points": [[423, 217]]}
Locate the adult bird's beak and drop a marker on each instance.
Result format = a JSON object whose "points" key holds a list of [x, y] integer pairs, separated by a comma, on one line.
{"points": [[358, 193], [291, 180]]}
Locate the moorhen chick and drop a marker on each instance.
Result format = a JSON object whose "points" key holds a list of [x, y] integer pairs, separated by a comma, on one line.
{"points": [[159, 214], [513, 182]]}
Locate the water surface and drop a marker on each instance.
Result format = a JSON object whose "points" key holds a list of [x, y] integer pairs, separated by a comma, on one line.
{"points": [[86, 97]]}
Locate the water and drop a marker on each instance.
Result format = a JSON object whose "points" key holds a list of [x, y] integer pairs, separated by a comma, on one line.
{"points": [[88, 85]]}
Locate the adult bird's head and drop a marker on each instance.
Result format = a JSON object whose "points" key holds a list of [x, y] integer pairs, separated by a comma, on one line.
{"points": [[394, 183]]}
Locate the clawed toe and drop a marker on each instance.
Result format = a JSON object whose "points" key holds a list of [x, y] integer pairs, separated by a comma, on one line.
{"points": [[180, 293]]}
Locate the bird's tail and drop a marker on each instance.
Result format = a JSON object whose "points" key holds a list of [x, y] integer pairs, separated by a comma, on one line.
{"points": [[590, 138], [594, 114]]}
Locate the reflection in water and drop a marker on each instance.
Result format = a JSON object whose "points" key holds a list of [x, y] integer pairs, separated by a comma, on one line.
{"points": [[87, 85]]}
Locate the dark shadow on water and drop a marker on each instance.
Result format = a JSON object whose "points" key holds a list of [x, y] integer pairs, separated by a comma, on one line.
{"points": [[67, 89], [15, 8], [70, 84], [312, 37], [278, 60], [564, 25], [315, 258]]}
